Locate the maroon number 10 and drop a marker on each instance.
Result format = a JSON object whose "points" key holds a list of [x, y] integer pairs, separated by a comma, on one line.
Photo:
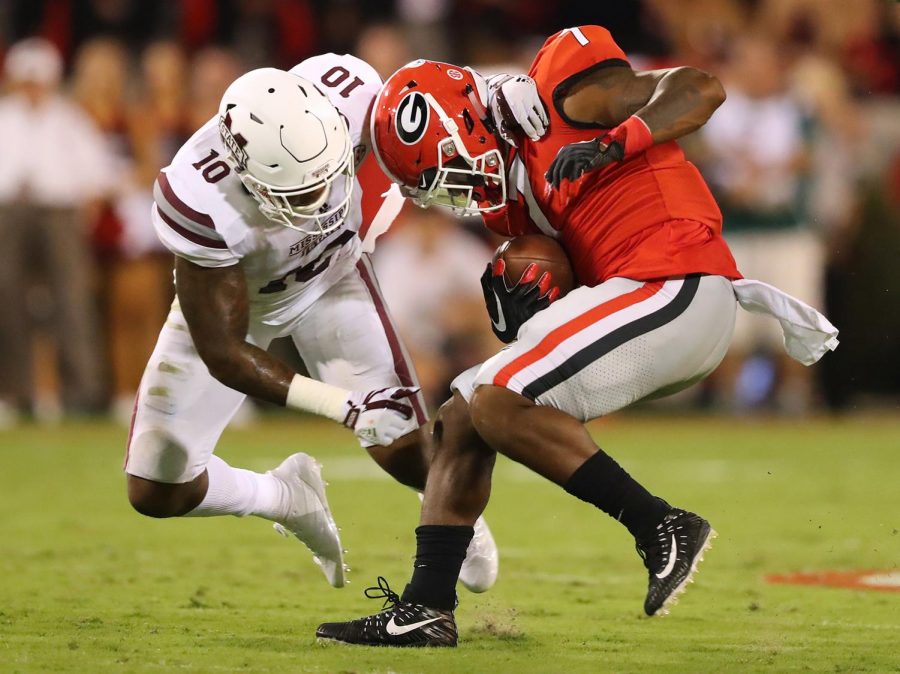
{"points": [[215, 171], [337, 76]]}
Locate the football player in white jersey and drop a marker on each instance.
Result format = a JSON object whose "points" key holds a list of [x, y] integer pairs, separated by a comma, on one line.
{"points": [[261, 208]]}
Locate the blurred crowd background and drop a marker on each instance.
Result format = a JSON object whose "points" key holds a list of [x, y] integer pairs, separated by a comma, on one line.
{"points": [[97, 95]]}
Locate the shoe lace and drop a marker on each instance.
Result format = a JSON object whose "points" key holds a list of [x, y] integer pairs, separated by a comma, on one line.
{"points": [[383, 591], [649, 554], [653, 548]]}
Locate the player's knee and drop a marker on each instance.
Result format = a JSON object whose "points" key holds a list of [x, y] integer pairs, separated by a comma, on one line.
{"points": [[452, 418], [495, 413], [154, 499]]}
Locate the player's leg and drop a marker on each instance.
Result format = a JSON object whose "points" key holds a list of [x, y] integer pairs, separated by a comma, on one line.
{"points": [[348, 339], [595, 351], [459, 486], [642, 341], [459, 481], [180, 412], [550, 440]]}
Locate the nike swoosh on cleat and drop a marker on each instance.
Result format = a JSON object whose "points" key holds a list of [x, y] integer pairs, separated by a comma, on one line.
{"points": [[501, 323], [396, 630], [671, 563]]}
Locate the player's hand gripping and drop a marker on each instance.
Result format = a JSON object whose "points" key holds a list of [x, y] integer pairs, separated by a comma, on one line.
{"points": [[380, 417], [575, 159], [509, 308], [516, 97]]}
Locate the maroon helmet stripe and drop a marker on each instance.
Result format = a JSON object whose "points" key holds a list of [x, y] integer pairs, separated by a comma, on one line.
{"points": [[188, 234], [180, 206], [401, 364]]}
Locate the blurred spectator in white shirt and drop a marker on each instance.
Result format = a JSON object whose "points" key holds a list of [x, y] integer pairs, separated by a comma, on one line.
{"points": [[51, 151], [54, 165], [756, 160]]}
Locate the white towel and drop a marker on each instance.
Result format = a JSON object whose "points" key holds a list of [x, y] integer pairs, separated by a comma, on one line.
{"points": [[384, 218], [808, 335]]}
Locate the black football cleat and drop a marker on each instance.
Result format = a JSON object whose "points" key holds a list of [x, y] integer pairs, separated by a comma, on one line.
{"points": [[401, 624], [671, 553]]}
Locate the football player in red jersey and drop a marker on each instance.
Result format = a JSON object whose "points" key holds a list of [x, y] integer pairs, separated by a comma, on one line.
{"points": [[653, 315]]}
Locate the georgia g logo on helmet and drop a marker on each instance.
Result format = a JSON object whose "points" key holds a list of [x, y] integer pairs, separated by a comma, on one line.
{"points": [[412, 118]]}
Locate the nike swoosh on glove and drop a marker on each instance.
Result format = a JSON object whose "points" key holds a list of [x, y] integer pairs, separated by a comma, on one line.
{"points": [[509, 308], [380, 417]]}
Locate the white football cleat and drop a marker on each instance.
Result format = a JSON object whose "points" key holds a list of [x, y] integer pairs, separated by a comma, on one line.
{"points": [[479, 570], [309, 518]]}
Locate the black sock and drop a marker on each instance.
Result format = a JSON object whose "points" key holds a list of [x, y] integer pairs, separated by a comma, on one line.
{"points": [[440, 552], [604, 483]]}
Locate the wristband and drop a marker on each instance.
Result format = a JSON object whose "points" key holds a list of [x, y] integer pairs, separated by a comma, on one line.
{"points": [[317, 397], [634, 135]]}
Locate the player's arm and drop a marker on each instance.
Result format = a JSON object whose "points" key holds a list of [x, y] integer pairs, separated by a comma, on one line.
{"points": [[671, 102], [639, 109], [215, 305]]}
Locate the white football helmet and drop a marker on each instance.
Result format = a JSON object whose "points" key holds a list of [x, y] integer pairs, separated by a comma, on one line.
{"points": [[289, 145]]}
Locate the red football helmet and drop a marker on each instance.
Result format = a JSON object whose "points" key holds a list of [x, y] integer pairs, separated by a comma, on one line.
{"points": [[433, 135]]}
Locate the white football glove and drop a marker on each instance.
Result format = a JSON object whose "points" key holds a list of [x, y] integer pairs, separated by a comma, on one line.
{"points": [[380, 417], [516, 96]]}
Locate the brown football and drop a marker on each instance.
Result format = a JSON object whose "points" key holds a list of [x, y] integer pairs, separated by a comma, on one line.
{"points": [[546, 253]]}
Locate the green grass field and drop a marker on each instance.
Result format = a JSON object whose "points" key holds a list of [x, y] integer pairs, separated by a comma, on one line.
{"points": [[87, 585]]}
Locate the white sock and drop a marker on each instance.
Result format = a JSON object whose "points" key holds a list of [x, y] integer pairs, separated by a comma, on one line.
{"points": [[235, 491]]}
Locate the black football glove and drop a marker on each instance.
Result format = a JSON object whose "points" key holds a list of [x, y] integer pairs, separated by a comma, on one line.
{"points": [[509, 308], [629, 138], [575, 159]]}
